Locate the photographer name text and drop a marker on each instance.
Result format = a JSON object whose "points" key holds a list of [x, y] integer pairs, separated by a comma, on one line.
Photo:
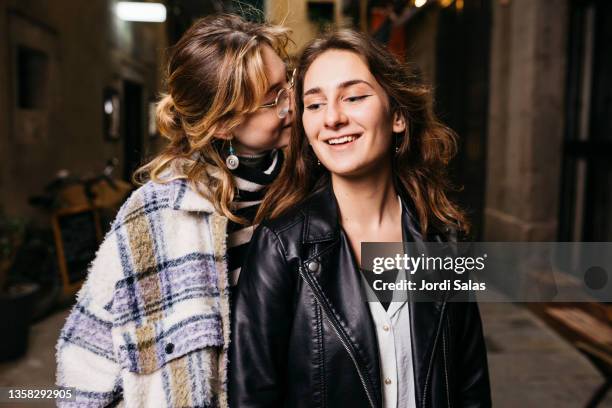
{"points": [[444, 285]]}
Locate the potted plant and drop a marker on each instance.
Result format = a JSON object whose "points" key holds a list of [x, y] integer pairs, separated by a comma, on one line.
{"points": [[16, 295]]}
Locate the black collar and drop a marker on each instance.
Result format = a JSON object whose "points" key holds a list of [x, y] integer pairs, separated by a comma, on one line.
{"points": [[322, 224], [321, 216]]}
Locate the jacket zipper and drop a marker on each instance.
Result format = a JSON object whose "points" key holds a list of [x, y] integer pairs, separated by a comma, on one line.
{"points": [[445, 368], [432, 356], [338, 332]]}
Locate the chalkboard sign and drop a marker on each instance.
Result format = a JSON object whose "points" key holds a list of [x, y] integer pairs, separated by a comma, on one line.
{"points": [[77, 236]]}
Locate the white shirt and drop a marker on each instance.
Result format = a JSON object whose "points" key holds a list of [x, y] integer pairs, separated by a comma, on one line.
{"points": [[395, 352], [394, 347]]}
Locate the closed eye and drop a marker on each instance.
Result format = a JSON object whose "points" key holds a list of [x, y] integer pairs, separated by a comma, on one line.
{"points": [[356, 98], [314, 106]]}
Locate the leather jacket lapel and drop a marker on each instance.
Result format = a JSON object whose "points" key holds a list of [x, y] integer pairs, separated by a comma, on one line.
{"points": [[425, 316], [321, 222], [334, 268]]}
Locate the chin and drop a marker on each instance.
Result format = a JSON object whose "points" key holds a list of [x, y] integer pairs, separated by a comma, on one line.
{"points": [[283, 140], [355, 169], [349, 172]]}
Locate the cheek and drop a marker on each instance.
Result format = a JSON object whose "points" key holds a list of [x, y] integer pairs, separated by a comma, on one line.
{"points": [[261, 124], [258, 126], [371, 116], [309, 124], [376, 119]]}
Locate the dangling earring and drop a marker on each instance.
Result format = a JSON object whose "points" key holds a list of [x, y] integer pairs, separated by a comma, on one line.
{"points": [[397, 141], [318, 161], [232, 160]]}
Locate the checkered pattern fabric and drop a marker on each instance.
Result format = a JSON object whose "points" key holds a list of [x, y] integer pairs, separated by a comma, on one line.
{"points": [[151, 323]]}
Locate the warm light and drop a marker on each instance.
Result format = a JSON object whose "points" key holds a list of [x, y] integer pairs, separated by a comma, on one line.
{"points": [[459, 5], [420, 3], [446, 3], [147, 12], [108, 107]]}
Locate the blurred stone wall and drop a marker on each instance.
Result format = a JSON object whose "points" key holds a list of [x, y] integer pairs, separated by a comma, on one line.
{"points": [[294, 15], [87, 50], [526, 119]]}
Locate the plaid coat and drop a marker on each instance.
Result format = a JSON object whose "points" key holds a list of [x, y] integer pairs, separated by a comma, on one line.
{"points": [[151, 324]]}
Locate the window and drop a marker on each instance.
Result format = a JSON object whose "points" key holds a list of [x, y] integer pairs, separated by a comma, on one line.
{"points": [[32, 75]]}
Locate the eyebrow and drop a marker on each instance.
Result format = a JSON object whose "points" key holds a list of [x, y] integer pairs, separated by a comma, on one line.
{"points": [[343, 85], [273, 88]]}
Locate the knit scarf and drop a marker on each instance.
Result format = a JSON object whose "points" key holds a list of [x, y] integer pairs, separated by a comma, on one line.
{"points": [[252, 176]]}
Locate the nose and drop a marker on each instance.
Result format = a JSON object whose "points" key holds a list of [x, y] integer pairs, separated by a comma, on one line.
{"points": [[334, 116]]}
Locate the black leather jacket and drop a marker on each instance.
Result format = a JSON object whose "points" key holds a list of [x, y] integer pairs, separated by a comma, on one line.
{"points": [[303, 335]]}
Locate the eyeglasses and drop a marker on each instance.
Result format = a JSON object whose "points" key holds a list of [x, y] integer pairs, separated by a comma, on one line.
{"points": [[282, 103]]}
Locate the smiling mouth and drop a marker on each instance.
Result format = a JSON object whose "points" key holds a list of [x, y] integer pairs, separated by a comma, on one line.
{"points": [[342, 140]]}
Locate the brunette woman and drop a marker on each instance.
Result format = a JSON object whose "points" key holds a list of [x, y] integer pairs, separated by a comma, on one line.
{"points": [[367, 164], [151, 325]]}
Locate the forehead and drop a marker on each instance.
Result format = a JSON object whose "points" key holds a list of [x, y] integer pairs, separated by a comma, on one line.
{"points": [[334, 67], [274, 65]]}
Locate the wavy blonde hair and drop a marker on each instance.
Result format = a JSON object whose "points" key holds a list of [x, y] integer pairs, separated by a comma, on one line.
{"points": [[424, 150], [215, 77]]}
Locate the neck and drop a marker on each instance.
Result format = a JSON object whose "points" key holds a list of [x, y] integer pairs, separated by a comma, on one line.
{"points": [[366, 202], [245, 151]]}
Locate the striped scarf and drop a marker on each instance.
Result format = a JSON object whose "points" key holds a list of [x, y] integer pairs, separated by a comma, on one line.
{"points": [[252, 177]]}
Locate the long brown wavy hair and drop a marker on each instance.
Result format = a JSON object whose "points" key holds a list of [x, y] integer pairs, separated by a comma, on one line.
{"points": [[424, 149], [215, 77]]}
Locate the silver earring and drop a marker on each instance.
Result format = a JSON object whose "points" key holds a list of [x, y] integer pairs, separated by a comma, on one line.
{"points": [[232, 161]]}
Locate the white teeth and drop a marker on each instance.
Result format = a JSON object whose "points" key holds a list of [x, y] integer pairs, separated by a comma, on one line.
{"points": [[340, 140]]}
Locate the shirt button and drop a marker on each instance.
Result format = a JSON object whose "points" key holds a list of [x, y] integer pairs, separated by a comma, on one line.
{"points": [[387, 381], [169, 348], [313, 266], [386, 327]]}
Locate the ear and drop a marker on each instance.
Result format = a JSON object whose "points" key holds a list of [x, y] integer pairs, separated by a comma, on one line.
{"points": [[399, 123], [224, 134]]}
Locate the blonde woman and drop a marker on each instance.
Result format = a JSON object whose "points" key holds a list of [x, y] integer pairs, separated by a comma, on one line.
{"points": [[151, 325]]}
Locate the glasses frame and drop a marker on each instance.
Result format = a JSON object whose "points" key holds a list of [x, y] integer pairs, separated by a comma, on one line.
{"points": [[280, 93]]}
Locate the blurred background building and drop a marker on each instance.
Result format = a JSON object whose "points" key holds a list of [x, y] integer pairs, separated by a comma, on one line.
{"points": [[526, 84]]}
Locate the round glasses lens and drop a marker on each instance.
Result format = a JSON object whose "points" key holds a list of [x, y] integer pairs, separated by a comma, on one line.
{"points": [[282, 106]]}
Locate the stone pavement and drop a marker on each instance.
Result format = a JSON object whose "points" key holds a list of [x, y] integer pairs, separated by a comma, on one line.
{"points": [[530, 365], [37, 368]]}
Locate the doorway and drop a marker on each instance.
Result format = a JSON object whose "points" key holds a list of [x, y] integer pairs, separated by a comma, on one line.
{"points": [[586, 201], [462, 97]]}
